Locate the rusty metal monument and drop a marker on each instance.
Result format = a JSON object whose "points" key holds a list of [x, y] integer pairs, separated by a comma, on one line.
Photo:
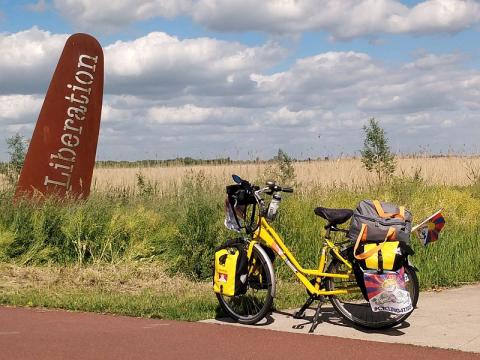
{"points": [[61, 155]]}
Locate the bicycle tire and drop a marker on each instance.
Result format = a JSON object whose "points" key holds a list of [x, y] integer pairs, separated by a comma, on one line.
{"points": [[358, 312], [251, 307]]}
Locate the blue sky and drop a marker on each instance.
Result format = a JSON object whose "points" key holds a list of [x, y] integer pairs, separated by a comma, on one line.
{"points": [[208, 75]]}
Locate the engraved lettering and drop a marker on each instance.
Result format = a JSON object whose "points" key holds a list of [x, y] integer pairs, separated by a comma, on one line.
{"points": [[61, 156], [53, 182], [72, 98], [71, 127], [67, 140], [84, 82], [75, 88], [81, 62], [60, 166], [65, 159]]}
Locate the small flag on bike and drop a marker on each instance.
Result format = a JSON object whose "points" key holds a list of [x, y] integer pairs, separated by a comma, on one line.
{"points": [[429, 229]]}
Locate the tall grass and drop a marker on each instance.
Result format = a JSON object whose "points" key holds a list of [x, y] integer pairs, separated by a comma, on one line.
{"points": [[180, 224], [348, 172]]}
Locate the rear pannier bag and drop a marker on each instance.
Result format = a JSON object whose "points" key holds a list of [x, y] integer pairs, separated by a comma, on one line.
{"points": [[231, 267], [381, 232], [379, 217], [392, 256]]}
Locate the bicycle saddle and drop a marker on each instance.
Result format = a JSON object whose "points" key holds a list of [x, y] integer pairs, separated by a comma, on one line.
{"points": [[334, 216]]}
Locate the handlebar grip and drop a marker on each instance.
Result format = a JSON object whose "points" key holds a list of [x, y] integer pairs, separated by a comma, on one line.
{"points": [[288, 190]]}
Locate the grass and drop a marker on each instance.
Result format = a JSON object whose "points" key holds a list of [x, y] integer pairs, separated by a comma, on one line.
{"points": [[128, 289], [146, 249]]}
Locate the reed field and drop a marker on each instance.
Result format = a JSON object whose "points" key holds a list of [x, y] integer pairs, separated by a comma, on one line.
{"points": [[349, 172], [144, 240]]}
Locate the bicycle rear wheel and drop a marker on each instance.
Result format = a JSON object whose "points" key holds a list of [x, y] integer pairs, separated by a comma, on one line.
{"points": [[356, 309], [256, 302]]}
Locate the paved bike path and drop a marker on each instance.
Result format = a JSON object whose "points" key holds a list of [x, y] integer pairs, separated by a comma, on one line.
{"points": [[447, 319], [45, 334]]}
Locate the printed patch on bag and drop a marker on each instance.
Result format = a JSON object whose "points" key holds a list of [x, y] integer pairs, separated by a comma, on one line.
{"points": [[222, 277], [387, 292]]}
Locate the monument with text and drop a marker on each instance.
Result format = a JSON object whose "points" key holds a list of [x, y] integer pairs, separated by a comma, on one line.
{"points": [[61, 155]]}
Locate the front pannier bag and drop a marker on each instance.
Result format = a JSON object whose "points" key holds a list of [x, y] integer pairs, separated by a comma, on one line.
{"points": [[381, 232], [231, 266]]}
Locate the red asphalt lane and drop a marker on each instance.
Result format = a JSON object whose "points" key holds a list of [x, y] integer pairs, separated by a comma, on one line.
{"points": [[45, 334]]}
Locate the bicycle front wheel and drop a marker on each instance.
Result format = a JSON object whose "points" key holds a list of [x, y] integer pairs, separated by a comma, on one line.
{"points": [[356, 309], [256, 302]]}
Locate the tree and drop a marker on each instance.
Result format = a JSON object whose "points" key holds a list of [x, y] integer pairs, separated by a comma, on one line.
{"points": [[376, 154], [282, 169], [17, 149]]}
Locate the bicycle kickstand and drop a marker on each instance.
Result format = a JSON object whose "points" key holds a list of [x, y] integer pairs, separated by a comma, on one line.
{"points": [[300, 314], [317, 314]]}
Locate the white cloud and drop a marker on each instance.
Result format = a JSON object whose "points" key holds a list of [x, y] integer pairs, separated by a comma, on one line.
{"points": [[439, 16], [19, 108], [323, 80], [192, 97], [341, 19], [164, 65], [18, 113], [187, 115], [31, 55], [157, 63], [109, 16]]}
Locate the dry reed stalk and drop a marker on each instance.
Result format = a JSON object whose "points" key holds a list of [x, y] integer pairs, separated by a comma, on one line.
{"points": [[342, 172]]}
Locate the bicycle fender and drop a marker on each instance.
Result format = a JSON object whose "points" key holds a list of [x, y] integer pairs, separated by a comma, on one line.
{"points": [[412, 266], [250, 248]]}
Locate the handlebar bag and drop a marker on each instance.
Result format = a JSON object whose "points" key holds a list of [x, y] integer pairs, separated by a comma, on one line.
{"points": [[236, 203], [231, 267]]}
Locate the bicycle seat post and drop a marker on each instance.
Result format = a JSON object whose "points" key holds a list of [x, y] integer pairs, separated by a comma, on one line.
{"points": [[328, 228]]}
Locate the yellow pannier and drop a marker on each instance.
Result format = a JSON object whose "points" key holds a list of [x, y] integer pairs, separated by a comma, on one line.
{"points": [[391, 255], [230, 271]]}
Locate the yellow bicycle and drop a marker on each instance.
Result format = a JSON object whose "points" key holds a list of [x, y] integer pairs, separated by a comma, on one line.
{"points": [[337, 277]]}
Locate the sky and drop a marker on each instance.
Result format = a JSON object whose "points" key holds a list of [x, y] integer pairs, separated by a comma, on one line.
{"points": [[243, 78]]}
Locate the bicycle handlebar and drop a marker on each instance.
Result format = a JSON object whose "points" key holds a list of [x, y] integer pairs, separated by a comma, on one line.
{"points": [[270, 189]]}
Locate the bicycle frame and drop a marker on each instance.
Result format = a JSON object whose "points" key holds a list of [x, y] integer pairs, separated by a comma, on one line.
{"points": [[267, 235]]}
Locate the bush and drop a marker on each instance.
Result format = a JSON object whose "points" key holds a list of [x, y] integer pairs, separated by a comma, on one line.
{"points": [[376, 154], [281, 170], [200, 228], [17, 149]]}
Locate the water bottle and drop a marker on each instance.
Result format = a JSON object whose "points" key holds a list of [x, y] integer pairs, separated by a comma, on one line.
{"points": [[273, 208]]}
